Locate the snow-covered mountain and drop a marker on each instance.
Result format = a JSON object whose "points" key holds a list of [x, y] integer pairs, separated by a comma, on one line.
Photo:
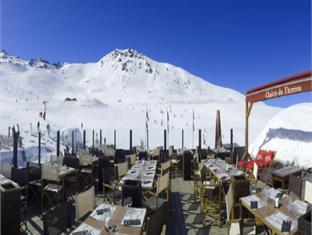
{"points": [[115, 92]]}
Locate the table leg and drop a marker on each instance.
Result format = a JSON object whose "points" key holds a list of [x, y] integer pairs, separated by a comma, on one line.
{"points": [[220, 203], [241, 221]]}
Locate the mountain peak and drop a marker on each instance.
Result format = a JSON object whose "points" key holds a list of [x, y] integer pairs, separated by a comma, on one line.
{"points": [[126, 53], [3, 54]]}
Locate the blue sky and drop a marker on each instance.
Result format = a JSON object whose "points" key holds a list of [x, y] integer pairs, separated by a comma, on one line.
{"points": [[234, 43]]}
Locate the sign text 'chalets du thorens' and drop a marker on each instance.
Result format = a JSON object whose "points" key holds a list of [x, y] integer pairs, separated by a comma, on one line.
{"points": [[286, 90]]}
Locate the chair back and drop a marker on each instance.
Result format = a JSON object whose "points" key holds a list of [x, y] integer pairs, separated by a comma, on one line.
{"points": [[72, 162], [85, 202], [122, 169], [133, 158], [50, 172], [229, 202], [85, 159], [19, 176], [165, 167], [120, 156], [83, 151], [171, 151], [295, 185], [240, 188], [57, 219], [109, 152], [163, 183], [143, 155], [108, 174], [156, 153], [307, 195], [33, 171]]}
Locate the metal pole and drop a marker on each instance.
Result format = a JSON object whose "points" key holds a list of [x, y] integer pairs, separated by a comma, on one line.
{"points": [[182, 139], [231, 139], [39, 147], [199, 139], [115, 139], [73, 142], [130, 147], [165, 140], [93, 139], [147, 140], [100, 136], [84, 139], [15, 142], [58, 143]]}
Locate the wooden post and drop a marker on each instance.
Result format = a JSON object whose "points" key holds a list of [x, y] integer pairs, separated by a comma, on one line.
{"points": [[130, 136], [182, 139], [58, 143], [84, 139], [248, 107], [100, 136], [115, 139], [15, 149]]}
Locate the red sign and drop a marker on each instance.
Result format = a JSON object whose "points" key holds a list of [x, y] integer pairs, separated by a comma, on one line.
{"points": [[288, 88]]}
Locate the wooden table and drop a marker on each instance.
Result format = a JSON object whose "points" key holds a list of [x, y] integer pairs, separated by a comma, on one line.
{"points": [[282, 175], [118, 216], [218, 168], [144, 171], [4, 181], [267, 210]]}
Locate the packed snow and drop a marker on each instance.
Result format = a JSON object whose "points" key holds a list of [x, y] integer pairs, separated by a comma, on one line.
{"points": [[289, 133]]}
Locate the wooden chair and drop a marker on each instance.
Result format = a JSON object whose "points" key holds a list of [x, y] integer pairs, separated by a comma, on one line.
{"points": [[133, 158], [56, 220], [84, 203], [121, 169], [156, 201], [111, 190], [175, 162], [34, 181], [86, 170], [52, 186], [72, 181], [209, 201], [20, 176], [164, 168]]}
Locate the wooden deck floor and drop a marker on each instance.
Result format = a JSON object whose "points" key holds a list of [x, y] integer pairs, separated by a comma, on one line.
{"points": [[184, 213]]}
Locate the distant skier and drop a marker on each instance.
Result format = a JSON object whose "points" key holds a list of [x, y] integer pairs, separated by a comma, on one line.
{"points": [[81, 126], [9, 131]]}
